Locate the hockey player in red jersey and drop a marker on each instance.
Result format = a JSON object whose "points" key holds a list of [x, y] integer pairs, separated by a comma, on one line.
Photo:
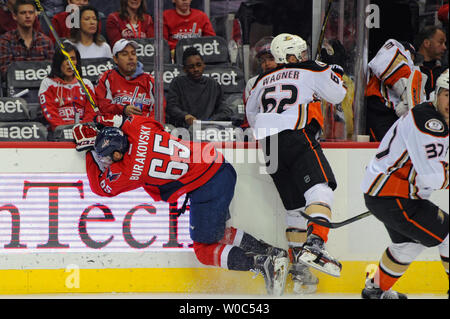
{"points": [[61, 97], [136, 152], [285, 113], [126, 89], [409, 165]]}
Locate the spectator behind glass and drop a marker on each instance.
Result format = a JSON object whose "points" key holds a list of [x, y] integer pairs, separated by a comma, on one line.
{"points": [[7, 22], [24, 43], [194, 96], [130, 22], [53, 7], [126, 89], [265, 62], [87, 38], [431, 48], [59, 20], [61, 97], [185, 22]]}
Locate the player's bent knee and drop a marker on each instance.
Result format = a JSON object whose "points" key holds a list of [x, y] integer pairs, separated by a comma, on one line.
{"points": [[320, 193]]}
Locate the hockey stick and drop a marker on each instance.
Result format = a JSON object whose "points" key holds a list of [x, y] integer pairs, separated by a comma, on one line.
{"points": [[322, 32], [324, 223], [61, 47]]}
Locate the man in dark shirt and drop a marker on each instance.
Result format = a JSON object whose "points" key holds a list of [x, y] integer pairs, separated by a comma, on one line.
{"points": [[431, 45], [194, 96], [24, 43]]}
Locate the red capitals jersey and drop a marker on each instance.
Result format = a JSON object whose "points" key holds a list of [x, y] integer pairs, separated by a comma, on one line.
{"points": [[166, 167], [117, 28], [114, 92], [60, 102], [194, 25]]}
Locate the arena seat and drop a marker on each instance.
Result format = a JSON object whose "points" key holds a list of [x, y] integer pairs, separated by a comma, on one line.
{"points": [[62, 133], [170, 72], [14, 110], [22, 75], [22, 132], [92, 69], [229, 77], [214, 50], [146, 51]]}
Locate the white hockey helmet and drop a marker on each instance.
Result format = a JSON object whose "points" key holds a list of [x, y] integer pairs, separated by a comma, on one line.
{"points": [[442, 82], [286, 44]]}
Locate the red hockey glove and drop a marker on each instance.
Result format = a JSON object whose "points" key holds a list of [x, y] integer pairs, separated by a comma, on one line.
{"points": [[84, 135]]}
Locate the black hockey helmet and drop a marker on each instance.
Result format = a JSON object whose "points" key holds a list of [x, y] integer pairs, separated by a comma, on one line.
{"points": [[109, 140]]}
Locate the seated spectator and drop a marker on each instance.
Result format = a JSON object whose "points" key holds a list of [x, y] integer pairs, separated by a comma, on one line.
{"points": [[87, 38], [389, 71], [59, 20], [265, 61], [130, 22], [24, 43], [185, 22], [126, 89], [194, 96], [431, 48], [61, 97], [53, 7], [7, 22]]}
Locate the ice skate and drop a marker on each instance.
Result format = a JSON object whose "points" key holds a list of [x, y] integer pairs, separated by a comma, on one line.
{"points": [[305, 282], [274, 270], [370, 291], [313, 254]]}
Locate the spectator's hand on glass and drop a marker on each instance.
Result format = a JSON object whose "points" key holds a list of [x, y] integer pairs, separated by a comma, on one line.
{"points": [[132, 110], [189, 119]]}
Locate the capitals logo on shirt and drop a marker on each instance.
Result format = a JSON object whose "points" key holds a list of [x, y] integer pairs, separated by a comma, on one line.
{"points": [[111, 176], [126, 98]]}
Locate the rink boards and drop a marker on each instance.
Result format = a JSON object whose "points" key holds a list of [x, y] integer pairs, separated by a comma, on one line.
{"points": [[56, 236]]}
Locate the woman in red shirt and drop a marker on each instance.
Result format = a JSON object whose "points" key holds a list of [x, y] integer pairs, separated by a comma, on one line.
{"points": [[62, 99], [185, 22], [130, 22]]}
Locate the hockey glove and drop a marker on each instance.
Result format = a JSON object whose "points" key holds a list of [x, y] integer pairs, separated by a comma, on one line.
{"points": [[108, 120], [84, 135]]}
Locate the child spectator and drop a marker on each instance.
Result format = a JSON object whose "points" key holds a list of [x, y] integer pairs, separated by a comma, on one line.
{"points": [[24, 43], [87, 38], [61, 97], [130, 22], [194, 96], [59, 20], [7, 22], [185, 22]]}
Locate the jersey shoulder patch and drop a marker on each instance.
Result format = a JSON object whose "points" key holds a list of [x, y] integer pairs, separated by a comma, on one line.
{"points": [[310, 65], [429, 121]]}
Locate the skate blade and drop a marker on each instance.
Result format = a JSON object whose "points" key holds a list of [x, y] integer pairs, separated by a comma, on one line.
{"points": [[329, 268], [281, 269]]}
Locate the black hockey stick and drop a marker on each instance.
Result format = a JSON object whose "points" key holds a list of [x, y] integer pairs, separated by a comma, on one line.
{"points": [[63, 50], [322, 32], [324, 223]]}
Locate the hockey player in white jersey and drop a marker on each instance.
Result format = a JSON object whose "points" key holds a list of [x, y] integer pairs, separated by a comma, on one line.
{"points": [[284, 108], [409, 165], [395, 86]]}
